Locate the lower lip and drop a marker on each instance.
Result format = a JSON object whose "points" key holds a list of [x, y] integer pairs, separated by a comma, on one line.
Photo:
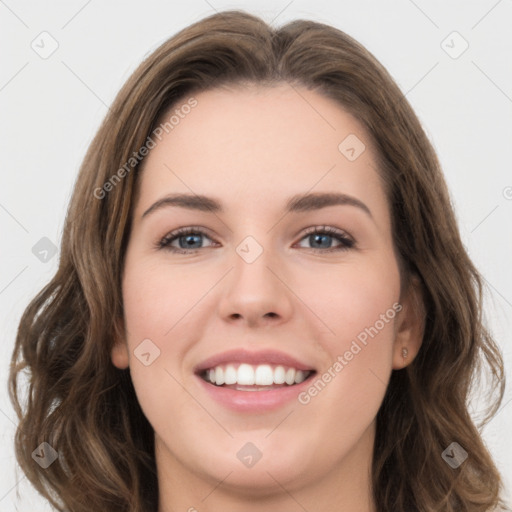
{"points": [[254, 401]]}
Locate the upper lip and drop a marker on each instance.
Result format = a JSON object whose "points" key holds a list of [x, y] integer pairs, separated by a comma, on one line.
{"points": [[252, 357]]}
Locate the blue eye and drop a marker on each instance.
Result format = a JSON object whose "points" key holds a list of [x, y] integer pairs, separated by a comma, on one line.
{"points": [[189, 240], [324, 235]]}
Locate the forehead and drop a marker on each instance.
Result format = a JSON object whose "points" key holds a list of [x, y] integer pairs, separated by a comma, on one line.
{"points": [[257, 145]]}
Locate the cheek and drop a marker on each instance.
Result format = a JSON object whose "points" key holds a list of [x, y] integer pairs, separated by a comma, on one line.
{"points": [[162, 308], [359, 306], [157, 297], [351, 298]]}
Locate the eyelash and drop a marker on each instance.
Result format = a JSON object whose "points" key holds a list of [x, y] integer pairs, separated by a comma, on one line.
{"points": [[346, 241]]}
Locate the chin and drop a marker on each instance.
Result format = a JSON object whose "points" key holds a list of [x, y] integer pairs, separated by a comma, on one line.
{"points": [[260, 467]]}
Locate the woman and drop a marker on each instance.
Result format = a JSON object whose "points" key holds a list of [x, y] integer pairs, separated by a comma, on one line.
{"points": [[257, 370]]}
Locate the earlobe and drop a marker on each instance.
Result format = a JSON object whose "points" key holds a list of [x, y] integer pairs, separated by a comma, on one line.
{"points": [[409, 326], [119, 353]]}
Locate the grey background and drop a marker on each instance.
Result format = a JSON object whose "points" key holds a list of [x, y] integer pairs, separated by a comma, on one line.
{"points": [[51, 107]]}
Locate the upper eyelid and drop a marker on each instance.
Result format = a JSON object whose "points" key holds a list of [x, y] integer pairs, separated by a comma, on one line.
{"points": [[326, 229], [206, 231]]}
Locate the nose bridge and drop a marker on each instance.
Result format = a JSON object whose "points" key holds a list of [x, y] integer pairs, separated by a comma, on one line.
{"points": [[252, 275], [254, 292]]}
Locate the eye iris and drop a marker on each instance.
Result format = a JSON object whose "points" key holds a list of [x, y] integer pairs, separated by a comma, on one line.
{"points": [[317, 237], [189, 240]]}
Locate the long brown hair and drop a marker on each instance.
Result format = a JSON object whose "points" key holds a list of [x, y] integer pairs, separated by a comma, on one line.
{"points": [[87, 410]]}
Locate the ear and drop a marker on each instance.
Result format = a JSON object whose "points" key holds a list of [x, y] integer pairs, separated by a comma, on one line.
{"points": [[410, 324], [119, 353]]}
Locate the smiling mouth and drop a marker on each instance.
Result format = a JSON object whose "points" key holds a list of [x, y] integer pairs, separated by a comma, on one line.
{"points": [[248, 377]]}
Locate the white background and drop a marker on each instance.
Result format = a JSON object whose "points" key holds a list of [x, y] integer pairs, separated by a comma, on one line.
{"points": [[51, 108]]}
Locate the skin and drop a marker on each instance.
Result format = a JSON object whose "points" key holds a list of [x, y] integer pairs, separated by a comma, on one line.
{"points": [[252, 149]]}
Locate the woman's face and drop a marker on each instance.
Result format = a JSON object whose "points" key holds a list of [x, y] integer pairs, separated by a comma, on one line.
{"points": [[251, 294]]}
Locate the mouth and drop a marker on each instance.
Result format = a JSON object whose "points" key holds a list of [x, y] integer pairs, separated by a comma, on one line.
{"points": [[248, 381], [252, 377]]}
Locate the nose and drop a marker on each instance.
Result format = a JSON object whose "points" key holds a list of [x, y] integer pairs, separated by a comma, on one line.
{"points": [[256, 294]]}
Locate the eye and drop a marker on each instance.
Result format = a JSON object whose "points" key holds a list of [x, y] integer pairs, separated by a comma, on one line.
{"points": [[320, 237], [188, 240]]}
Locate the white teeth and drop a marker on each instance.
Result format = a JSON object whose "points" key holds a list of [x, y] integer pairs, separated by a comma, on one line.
{"points": [[290, 376], [299, 376], [219, 375], [258, 375], [244, 375], [264, 375], [279, 375], [230, 375]]}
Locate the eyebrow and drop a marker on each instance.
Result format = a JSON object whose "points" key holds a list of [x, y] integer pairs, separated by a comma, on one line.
{"points": [[296, 204]]}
